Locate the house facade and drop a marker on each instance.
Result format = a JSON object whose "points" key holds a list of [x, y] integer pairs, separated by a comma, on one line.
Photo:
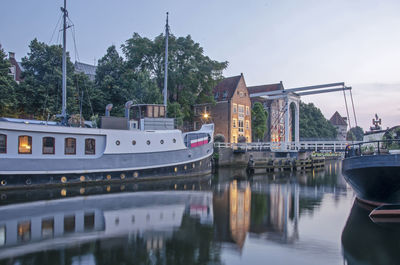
{"points": [[340, 123], [15, 69], [231, 113]]}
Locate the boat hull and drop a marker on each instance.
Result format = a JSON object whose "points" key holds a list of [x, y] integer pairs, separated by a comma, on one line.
{"points": [[374, 178], [179, 170]]}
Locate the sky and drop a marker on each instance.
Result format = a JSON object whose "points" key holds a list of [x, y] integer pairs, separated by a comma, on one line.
{"points": [[298, 42]]}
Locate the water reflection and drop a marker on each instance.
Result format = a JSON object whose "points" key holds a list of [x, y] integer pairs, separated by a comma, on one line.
{"points": [[365, 242], [177, 222]]}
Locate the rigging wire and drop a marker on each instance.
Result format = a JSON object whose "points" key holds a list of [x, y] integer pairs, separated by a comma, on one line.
{"points": [[347, 110], [54, 31], [354, 112]]}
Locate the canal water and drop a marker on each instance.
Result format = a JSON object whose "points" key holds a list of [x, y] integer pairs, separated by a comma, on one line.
{"points": [[227, 218]]}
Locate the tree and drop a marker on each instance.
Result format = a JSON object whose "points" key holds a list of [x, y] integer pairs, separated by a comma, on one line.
{"points": [[258, 121], [191, 74], [313, 124], [7, 87], [174, 111], [358, 133], [40, 94]]}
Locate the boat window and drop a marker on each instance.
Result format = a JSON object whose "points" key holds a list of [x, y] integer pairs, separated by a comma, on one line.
{"points": [[24, 144], [47, 228], [148, 142], [69, 224], [90, 146], [24, 231], [89, 221], [3, 143], [70, 146], [2, 235], [48, 145]]}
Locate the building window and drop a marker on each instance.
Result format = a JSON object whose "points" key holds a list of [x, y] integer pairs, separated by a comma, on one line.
{"points": [[234, 108], [247, 125], [47, 228], [234, 123], [48, 146], [70, 146], [234, 139], [241, 109], [207, 109], [3, 143], [240, 125], [90, 146], [216, 96], [224, 95], [24, 231], [247, 110], [241, 94], [24, 144], [195, 125]]}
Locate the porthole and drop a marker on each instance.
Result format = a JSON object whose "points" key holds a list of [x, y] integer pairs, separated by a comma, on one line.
{"points": [[28, 182], [63, 179], [148, 142], [162, 142], [3, 182], [174, 140], [133, 142], [117, 142], [136, 174], [108, 177], [63, 192], [122, 176], [82, 178]]}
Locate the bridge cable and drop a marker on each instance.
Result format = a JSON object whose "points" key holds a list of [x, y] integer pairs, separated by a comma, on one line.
{"points": [[347, 110], [354, 112]]}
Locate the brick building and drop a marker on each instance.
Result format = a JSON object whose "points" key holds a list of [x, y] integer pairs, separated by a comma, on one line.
{"points": [[16, 68], [232, 112]]}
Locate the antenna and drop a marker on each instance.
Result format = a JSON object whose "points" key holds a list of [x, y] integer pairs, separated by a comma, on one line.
{"points": [[166, 66]]}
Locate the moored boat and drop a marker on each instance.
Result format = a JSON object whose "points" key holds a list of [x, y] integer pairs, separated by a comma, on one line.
{"points": [[145, 147], [373, 171]]}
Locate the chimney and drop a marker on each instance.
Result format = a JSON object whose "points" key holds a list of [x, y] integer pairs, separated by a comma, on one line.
{"points": [[11, 55]]}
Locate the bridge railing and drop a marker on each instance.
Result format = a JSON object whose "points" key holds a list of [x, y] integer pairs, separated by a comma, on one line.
{"points": [[333, 146], [379, 147]]}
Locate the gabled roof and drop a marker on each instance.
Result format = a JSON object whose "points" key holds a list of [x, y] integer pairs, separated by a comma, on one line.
{"points": [[265, 88], [226, 87], [337, 119], [87, 69]]}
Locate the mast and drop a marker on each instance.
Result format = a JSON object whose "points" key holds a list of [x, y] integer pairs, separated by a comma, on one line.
{"points": [[64, 64], [166, 66]]}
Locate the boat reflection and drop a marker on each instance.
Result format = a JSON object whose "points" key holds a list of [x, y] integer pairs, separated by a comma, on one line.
{"points": [[365, 242], [189, 221]]}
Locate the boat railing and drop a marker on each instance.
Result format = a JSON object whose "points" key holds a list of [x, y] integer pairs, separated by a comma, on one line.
{"points": [[378, 147]]}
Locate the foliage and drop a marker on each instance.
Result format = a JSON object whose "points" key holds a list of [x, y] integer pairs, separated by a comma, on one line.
{"points": [[7, 87], [350, 136], [258, 121], [241, 139], [219, 138], [313, 124], [357, 132], [174, 111], [40, 94], [191, 74]]}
